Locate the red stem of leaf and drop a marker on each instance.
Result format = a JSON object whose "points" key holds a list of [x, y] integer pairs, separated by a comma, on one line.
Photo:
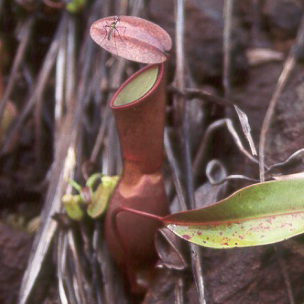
{"points": [[138, 212]]}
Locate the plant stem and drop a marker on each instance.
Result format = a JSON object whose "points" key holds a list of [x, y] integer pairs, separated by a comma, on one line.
{"points": [[138, 212]]}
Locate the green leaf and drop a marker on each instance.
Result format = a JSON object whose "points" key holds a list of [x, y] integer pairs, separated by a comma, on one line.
{"points": [[260, 214], [102, 196], [75, 6], [73, 205], [96, 177], [74, 184]]}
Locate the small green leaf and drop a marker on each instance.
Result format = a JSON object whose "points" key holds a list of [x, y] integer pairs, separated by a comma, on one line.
{"points": [[72, 205], [260, 214], [93, 179], [102, 196], [75, 185], [75, 6]]}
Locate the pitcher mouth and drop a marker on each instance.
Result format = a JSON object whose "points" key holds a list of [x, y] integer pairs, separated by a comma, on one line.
{"points": [[138, 86]]}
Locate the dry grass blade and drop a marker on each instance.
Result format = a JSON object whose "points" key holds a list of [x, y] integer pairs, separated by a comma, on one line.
{"points": [[65, 154], [288, 67], [65, 289], [290, 62], [195, 252], [96, 240], [64, 90], [182, 120], [112, 291], [200, 155], [228, 9], [215, 172], [179, 81], [217, 175], [246, 128], [115, 80], [198, 270], [25, 34], [81, 285], [282, 81], [179, 295], [228, 12], [100, 136], [61, 267], [175, 171], [257, 56], [59, 86], [53, 205], [193, 93], [236, 177], [289, 166], [39, 87]]}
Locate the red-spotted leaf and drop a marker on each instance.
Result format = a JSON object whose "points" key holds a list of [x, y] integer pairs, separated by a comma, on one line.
{"points": [[132, 38], [260, 214]]}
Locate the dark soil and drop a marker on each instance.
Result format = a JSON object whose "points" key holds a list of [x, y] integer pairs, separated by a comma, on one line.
{"points": [[14, 252]]}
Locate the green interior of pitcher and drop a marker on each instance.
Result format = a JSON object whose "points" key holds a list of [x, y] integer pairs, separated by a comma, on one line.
{"points": [[137, 87]]}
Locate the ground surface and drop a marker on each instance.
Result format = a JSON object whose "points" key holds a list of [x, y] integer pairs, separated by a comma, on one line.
{"points": [[256, 275]]}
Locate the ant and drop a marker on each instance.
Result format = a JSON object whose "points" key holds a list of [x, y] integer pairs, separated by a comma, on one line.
{"points": [[111, 28]]}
